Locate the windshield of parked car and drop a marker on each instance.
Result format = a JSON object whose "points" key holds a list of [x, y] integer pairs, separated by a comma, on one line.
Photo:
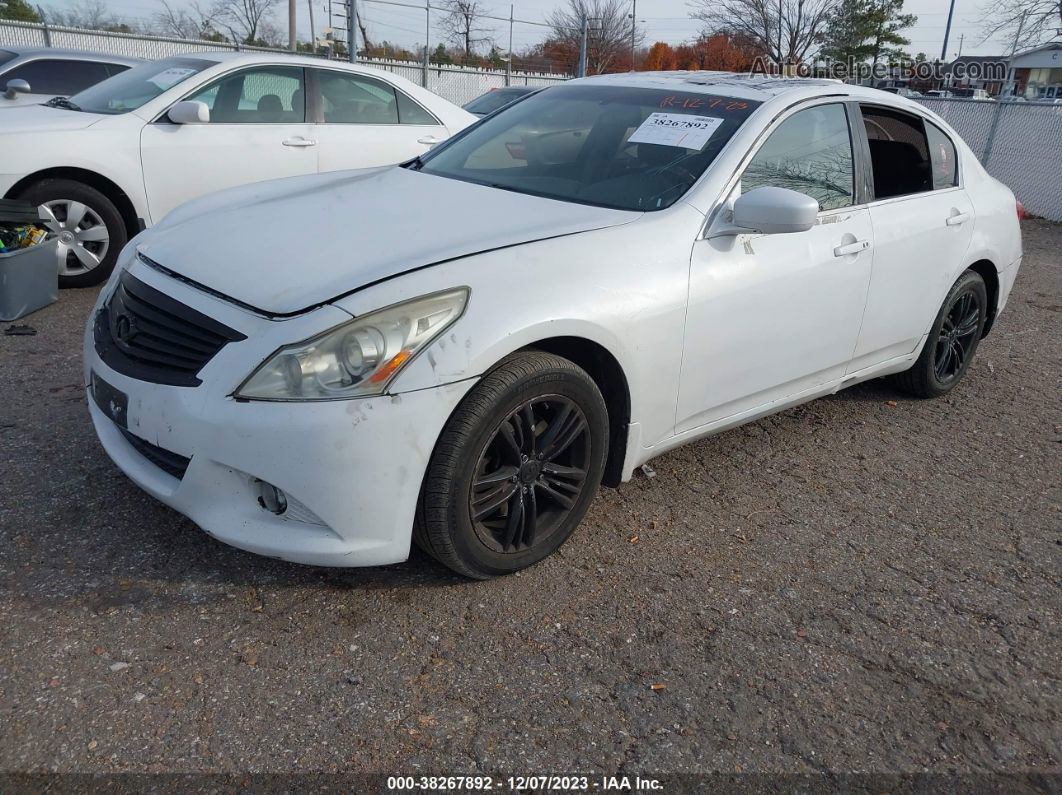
{"points": [[492, 100], [610, 146], [133, 87]]}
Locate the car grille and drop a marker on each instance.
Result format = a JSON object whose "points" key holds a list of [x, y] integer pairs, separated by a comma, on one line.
{"points": [[145, 334], [168, 462]]}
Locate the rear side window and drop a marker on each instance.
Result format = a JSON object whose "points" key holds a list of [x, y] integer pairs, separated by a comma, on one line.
{"points": [[116, 68], [810, 152], [410, 112], [942, 157], [899, 153], [59, 78]]}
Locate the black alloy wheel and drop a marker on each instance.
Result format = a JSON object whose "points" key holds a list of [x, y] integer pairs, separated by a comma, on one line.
{"points": [[516, 467], [530, 474], [956, 339], [952, 341]]}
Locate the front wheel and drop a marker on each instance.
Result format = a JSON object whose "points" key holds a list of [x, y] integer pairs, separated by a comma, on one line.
{"points": [[952, 341], [89, 229], [515, 468]]}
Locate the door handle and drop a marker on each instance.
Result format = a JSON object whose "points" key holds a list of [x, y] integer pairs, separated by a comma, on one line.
{"points": [[299, 142], [851, 248], [430, 140], [958, 218]]}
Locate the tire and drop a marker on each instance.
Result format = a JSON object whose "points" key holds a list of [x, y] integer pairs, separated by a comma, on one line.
{"points": [[100, 232], [497, 499], [952, 341]]}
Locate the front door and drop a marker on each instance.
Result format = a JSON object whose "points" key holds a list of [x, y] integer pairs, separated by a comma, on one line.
{"points": [[771, 316], [257, 131]]}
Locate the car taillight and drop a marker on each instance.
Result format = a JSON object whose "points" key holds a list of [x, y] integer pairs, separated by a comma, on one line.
{"points": [[1020, 208]]}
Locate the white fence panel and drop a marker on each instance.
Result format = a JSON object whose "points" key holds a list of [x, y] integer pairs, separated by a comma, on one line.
{"points": [[457, 84]]}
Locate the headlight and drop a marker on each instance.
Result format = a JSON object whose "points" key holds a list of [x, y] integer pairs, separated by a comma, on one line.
{"points": [[356, 359]]}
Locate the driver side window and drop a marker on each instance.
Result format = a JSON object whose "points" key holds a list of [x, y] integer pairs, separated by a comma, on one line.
{"points": [[810, 152]]}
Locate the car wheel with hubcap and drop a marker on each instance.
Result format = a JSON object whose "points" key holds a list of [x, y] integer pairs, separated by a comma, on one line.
{"points": [[87, 226], [515, 468], [952, 342]]}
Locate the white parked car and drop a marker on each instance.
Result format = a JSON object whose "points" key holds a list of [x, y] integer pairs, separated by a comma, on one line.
{"points": [[470, 343], [32, 75], [120, 155]]}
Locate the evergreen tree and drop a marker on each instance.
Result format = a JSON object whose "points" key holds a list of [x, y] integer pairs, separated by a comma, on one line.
{"points": [[18, 10]]}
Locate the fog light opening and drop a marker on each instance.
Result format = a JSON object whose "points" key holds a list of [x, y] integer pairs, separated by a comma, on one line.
{"points": [[271, 498]]}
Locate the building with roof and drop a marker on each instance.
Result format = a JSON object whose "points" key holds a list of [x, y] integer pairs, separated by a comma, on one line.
{"points": [[1038, 72]]}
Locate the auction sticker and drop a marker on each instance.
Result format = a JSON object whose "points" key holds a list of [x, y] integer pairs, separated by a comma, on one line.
{"points": [[676, 129]]}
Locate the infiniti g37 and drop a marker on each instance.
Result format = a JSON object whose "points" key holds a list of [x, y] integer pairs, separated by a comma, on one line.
{"points": [[459, 350]]}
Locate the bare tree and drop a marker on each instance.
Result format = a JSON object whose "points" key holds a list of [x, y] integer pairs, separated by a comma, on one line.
{"points": [[243, 19], [1043, 21], [463, 25], [193, 22], [785, 30], [609, 34], [92, 15]]}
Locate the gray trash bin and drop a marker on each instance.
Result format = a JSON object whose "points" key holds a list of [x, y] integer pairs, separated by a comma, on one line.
{"points": [[29, 280]]}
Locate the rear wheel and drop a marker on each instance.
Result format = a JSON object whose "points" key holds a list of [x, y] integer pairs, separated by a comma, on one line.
{"points": [[952, 341], [89, 229], [516, 467]]}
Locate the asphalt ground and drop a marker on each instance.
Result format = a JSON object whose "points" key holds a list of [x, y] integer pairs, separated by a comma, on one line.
{"points": [[864, 583]]}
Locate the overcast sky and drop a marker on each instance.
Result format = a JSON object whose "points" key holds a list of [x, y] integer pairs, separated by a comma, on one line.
{"points": [[662, 20]]}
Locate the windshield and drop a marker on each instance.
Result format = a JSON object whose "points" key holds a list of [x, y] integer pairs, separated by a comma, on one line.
{"points": [[132, 88], [610, 146], [491, 101]]}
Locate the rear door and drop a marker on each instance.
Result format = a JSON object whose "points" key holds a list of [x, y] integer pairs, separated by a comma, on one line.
{"points": [[364, 122], [257, 131], [923, 224]]}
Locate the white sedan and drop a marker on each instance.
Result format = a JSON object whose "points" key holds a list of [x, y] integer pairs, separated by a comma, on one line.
{"points": [[120, 155], [459, 350]]}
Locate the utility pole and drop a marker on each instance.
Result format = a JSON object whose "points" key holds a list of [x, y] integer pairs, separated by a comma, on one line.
{"points": [[581, 70], [1007, 91], [313, 29], [291, 25], [634, 24], [427, 43], [509, 61], [947, 32], [352, 30]]}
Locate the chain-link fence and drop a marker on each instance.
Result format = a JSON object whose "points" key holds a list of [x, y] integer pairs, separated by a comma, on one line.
{"points": [[1019, 143], [457, 84]]}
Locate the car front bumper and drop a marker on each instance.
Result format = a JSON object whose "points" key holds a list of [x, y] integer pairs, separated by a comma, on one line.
{"points": [[350, 470]]}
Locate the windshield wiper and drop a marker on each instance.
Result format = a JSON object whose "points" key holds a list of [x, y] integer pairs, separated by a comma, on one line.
{"points": [[61, 102]]}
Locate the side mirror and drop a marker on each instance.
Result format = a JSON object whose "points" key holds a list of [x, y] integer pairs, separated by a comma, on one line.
{"points": [[189, 112], [16, 87], [771, 211]]}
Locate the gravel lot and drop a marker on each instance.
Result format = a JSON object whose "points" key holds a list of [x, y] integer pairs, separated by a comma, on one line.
{"points": [[865, 583]]}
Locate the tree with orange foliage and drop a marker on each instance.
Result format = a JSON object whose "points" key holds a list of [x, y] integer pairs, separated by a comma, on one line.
{"points": [[660, 58], [717, 52]]}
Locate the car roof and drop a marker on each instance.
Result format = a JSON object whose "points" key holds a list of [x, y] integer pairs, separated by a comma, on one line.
{"points": [[64, 54], [276, 57], [760, 88]]}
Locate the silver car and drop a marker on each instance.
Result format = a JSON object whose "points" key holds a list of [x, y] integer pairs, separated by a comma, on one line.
{"points": [[32, 75]]}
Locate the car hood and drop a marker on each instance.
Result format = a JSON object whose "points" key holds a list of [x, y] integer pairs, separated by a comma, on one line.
{"points": [[285, 246], [41, 118]]}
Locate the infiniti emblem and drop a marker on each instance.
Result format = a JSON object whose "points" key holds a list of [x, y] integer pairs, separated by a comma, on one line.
{"points": [[124, 328]]}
